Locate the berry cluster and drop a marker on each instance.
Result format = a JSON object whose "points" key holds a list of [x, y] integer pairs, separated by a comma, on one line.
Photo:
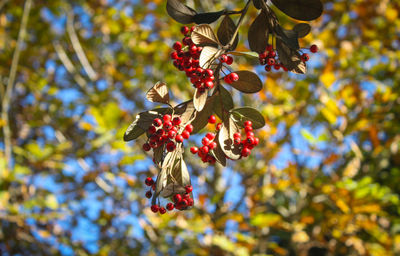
{"points": [[186, 58], [247, 144], [166, 131], [181, 200], [209, 144], [270, 59]]}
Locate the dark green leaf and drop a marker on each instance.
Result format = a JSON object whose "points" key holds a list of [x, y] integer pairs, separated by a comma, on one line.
{"points": [[223, 101], [302, 29], [133, 132], [248, 82], [244, 114], [258, 33], [290, 58], [180, 12], [207, 17], [300, 9], [226, 31]]}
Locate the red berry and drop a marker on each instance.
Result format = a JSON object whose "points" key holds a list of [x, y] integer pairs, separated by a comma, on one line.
{"points": [[272, 54], [209, 72], [237, 135], [269, 48], [210, 135], [146, 147], [227, 79], [176, 121], [219, 126], [154, 208], [314, 48], [250, 141], [184, 203], [189, 189], [248, 129], [212, 145], [249, 134], [194, 150], [204, 149], [246, 152], [256, 141], [177, 198], [157, 122], [248, 123], [170, 206], [236, 140], [234, 77], [262, 55], [171, 146], [148, 194], [179, 138], [189, 128], [267, 68], [223, 58], [167, 125], [229, 60], [152, 129], [209, 84], [174, 55], [212, 119], [177, 46], [160, 132], [271, 61], [149, 181], [190, 201], [277, 66], [171, 134], [167, 118], [205, 141], [162, 210], [305, 57], [185, 135]]}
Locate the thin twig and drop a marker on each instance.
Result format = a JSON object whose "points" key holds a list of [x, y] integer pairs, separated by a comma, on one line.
{"points": [[10, 86], [62, 55], [78, 47], [244, 11]]}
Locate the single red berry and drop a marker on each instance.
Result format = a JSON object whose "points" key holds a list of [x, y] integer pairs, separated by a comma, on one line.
{"points": [[267, 68], [176, 121], [210, 135], [256, 141], [219, 126], [146, 147], [190, 201], [205, 141], [249, 134], [189, 128], [248, 129], [248, 123], [149, 181], [185, 135], [187, 41], [272, 54], [314, 48], [174, 55], [269, 48], [209, 72], [227, 79], [171, 134], [234, 77], [167, 125], [237, 135], [250, 140], [236, 140], [170, 206], [262, 55], [177, 46], [212, 145], [212, 119], [171, 146], [179, 138], [204, 149], [186, 196], [177, 198], [184, 203], [229, 60], [305, 57], [167, 118], [157, 122], [152, 129], [148, 194], [209, 84], [223, 58], [271, 61], [154, 208], [194, 150], [160, 132], [277, 66], [246, 152], [189, 189], [162, 210]]}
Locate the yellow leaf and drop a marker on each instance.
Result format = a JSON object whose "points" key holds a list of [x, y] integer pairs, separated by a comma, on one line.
{"points": [[300, 237], [342, 206]]}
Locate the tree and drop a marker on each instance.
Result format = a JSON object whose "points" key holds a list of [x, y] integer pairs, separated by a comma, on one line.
{"points": [[323, 180]]}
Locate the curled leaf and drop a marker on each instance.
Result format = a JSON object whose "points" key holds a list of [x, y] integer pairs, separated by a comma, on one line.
{"points": [[207, 56], [219, 154], [302, 29], [199, 99], [204, 35], [226, 31], [161, 183], [258, 33], [244, 114], [290, 58], [300, 9], [207, 17], [248, 82], [223, 102], [225, 139], [172, 189], [201, 119], [158, 93], [180, 12]]}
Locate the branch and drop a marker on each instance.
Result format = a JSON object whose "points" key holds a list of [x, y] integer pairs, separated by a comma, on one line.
{"points": [[78, 47], [10, 86], [243, 11]]}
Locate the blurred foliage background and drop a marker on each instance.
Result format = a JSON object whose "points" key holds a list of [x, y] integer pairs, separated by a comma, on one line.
{"points": [[324, 181]]}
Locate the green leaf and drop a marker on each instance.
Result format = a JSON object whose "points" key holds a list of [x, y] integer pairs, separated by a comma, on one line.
{"points": [[244, 114], [306, 10]]}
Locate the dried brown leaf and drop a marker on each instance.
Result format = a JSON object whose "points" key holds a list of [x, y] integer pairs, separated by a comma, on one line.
{"points": [[248, 82], [158, 93]]}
